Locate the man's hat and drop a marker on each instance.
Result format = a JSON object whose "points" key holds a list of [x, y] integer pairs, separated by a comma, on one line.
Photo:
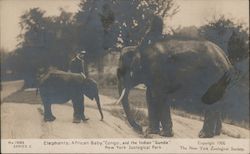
{"points": [[82, 52]]}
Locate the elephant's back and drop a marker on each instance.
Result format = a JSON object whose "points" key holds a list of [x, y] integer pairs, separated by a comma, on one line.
{"points": [[60, 85], [58, 77], [187, 68], [188, 56], [193, 50]]}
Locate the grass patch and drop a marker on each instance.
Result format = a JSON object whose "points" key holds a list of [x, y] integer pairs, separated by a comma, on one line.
{"points": [[137, 99], [139, 115], [22, 96]]}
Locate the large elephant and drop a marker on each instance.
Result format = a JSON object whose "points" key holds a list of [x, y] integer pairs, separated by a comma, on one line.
{"points": [[175, 71], [59, 87]]}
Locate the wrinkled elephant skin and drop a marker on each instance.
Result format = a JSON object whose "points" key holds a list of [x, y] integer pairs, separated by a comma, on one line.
{"points": [[59, 87], [175, 71]]}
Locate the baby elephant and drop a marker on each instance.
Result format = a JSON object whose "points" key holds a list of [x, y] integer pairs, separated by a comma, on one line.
{"points": [[58, 87]]}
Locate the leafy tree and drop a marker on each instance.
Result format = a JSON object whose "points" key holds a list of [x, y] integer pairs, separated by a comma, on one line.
{"points": [[134, 18], [96, 27], [32, 44], [61, 35], [232, 37], [108, 24], [32, 24], [238, 46], [128, 21], [45, 42], [89, 28], [93, 22], [4, 63], [3, 55], [185, 33]]}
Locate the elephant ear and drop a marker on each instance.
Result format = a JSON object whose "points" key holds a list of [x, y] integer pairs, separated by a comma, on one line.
{"points": [[137, 58], [126, 61], [120, 72], [136, 62]]}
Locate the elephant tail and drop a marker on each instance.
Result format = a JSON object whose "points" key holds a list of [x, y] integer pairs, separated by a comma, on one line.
{"points": [[217, 90]]}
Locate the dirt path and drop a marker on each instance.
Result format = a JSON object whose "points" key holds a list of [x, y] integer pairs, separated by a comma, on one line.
{"points": [[23, 119], [26, 121]]}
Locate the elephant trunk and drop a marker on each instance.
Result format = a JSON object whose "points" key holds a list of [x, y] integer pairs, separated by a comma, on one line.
{"points": [[97, 99], [126, 107]]}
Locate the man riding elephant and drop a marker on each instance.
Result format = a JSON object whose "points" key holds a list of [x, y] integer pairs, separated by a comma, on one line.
{"points": [[77, 64], [153, 33]]}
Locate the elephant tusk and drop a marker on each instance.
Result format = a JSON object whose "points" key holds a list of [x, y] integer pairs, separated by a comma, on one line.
{"points": [[121, 97]]}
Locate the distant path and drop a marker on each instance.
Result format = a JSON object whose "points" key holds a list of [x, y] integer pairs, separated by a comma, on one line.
{"points": [[10, 87]]}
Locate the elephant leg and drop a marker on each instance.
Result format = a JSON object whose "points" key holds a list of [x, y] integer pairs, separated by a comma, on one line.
{"points": [[154, 123], [78, 109], [209, 125], [218, 126], [166, 120], [83, 117], [48, 116]]}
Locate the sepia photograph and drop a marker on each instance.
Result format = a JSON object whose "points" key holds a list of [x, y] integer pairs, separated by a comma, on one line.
{"points": [[124, 76]]}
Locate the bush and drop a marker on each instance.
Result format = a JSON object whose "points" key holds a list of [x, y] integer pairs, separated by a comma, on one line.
{"points": [[108, 80]]}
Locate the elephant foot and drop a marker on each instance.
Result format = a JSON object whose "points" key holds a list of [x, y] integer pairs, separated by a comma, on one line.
{"points": [[49, 118], [205, 134], [137, 128], [85, 119], [76, 120], [167, 133], [150, 130], [217, 133]]}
